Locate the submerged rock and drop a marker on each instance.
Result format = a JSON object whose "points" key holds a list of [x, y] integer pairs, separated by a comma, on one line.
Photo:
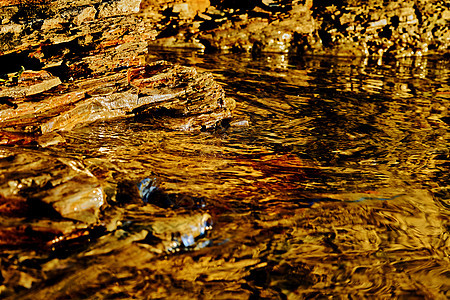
{"points": [[52, 185]]}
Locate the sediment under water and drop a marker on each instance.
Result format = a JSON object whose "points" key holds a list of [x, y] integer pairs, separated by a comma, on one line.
{"points": [[338, 186]]}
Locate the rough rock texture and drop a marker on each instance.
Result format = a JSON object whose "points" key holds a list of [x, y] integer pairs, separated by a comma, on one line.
{"points": [[343, 28], [32, 82], [67, 63], [39, 29], [173, 96]]}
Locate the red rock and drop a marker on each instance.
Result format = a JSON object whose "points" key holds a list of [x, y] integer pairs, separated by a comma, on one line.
{"points": [[12, 206], [26, 235], [11, 138]]}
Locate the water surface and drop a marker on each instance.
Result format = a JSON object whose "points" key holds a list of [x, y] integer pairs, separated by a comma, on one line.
{"points": [[338, 186]]}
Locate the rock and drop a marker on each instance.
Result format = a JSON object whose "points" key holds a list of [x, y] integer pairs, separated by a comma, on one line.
{"points": [[181, 232], [369, 28], [27, 113], [48, 181], [54, 23], [92, 109], [13, 138], [11, 28], [391, 28], [189, 9], [30, 83], [176, 97], [118, 8], [86, 15], [179, 98]]}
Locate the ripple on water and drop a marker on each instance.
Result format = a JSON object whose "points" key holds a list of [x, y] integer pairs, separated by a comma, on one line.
{"points": [[337, 187]]}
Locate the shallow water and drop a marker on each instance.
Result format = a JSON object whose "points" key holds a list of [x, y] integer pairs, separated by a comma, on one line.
{"points": [[337, 188]]}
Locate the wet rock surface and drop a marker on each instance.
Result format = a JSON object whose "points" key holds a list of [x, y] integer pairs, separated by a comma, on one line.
{"points": [[343, 28], [52, 185], [175, 97], [81, 37]]}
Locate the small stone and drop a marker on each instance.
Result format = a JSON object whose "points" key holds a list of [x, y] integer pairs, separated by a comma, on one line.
{"points": [[86, 15], [118, 7]]}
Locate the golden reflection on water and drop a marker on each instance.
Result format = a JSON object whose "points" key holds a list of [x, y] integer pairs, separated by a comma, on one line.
{"points": [[338, 188]]}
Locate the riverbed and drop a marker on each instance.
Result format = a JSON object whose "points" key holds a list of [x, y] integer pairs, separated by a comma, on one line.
{"points": [[331, 182]]}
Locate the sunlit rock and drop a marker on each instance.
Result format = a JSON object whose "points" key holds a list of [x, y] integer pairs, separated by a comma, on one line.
{"points": [[92, 109], [86, 15], [189, 9], [171, 96], [118, 7], [29, 83], [178, 97], [17, 113]]}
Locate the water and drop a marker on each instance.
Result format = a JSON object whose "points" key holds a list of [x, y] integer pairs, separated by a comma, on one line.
{"points": [[337, 188]]}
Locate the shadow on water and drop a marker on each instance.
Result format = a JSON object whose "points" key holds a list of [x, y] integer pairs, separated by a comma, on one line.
{"points": [[338, 186]]}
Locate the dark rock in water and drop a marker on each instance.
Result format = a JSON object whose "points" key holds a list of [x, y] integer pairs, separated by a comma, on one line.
{"points": [[148, 191], [180, 233]]}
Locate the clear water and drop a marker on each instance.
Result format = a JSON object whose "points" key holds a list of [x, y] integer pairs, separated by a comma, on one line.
{"points": [[339, 187]]}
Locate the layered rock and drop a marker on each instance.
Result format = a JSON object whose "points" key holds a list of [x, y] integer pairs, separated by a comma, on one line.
{"points": [[86, 37], [173, 96], [344, 28]]}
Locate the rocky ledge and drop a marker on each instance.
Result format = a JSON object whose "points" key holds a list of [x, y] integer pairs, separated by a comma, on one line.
{"points": [[180, 97], [85, 36]]}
